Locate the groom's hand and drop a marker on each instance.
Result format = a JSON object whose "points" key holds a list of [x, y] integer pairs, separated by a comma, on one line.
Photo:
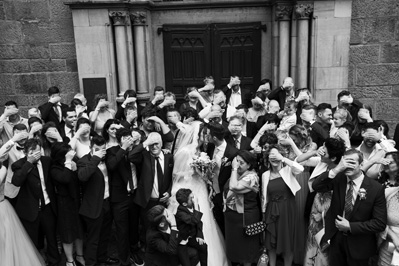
{"points": [[165, 197], [342, 224]]}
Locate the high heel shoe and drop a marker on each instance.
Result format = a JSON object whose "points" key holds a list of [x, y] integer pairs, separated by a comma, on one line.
{"points": [[78, 263]]}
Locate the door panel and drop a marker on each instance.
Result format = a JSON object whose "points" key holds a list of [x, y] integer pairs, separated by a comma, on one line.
{"points": [[220, 50]]}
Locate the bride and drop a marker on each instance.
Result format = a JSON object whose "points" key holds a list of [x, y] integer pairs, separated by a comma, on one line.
{"points": [[185, 177]]}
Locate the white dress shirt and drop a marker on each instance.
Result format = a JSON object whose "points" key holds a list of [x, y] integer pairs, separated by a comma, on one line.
{"points": [[68, 132], [44, 189], [155, 188], [103, 169]]}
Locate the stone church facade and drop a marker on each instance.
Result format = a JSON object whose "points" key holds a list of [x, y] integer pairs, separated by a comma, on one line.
{"points": [[105, 46]]}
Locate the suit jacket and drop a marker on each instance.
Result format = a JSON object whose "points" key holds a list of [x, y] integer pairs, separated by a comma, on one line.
{"points": [[189, 223], [319, 133], [27, 177], [225, 168], [369, 216], [245, 143], [48, 114], [66, 181], [252, 129], [161, 248], [143, 159], [94, 187], [119, 171], [279, 95], [245, 96]]}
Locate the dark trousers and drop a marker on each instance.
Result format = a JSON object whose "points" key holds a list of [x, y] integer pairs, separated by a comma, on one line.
{"points": [[134, 225], [183, 251], [339, 252], [120, 213], [218, 211], [98, 235], [44, 225]]}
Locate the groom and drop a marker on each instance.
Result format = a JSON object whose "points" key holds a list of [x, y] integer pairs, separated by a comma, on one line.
{"points": [[357, 211], [223, 154]]}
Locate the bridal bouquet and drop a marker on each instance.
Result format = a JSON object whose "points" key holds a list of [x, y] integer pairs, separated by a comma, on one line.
{"points": [[204, 166]]}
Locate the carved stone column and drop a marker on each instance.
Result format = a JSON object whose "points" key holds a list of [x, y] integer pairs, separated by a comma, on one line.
{"points": [[283, 14], [303, 13], [119, 19], [139, 22]]}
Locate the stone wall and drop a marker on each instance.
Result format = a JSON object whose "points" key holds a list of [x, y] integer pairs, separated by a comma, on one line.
{"points": [[37, 50], [374, 57]]}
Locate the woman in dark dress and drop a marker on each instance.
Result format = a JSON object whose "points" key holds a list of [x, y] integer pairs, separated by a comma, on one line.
{"points": [[279, 187], [63, 171], [242, 207]]}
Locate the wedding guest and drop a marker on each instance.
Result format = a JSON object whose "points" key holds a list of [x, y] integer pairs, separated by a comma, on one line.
{"points": [[208, 90], [36, 204], [50, 135], [249, 128], [279, 187], [303, 97], [81, 111], [35, 126], [155, 178], [321, 127], [265, 86], [389, 238], [69, 117], [284, 93], [152, 123], [9, 119], [258, 107], [362, 116], [63, 172], [191, 101], [85, 108], [168, 102], [289, 116], [52, 110], [323, 159], [189, 224], [101, 113], [109, 132], [95, 207], [162, 238], [129, 101], [339, 118], [123, 184], [80, 142], [242, 209], [235, 137], [352, 236]]}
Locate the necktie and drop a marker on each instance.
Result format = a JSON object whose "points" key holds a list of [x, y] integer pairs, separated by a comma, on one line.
{"points": [[348, 201], [237, 143], [57, 112], [133, 171], [42, 202], [160, 177], [72, 133]]}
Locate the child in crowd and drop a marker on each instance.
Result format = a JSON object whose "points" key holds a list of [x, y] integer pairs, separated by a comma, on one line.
{"points": [[189, 223], [289, 115]]}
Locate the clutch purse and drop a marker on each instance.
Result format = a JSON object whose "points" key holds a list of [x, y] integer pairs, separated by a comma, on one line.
{"points": [[255, 228]]}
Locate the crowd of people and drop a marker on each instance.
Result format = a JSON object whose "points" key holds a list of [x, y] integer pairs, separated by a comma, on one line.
{"points": [[209, 182]]}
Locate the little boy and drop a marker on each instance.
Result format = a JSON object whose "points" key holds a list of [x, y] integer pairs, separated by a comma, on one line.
{"points": [[189, 224], [289, 115]]}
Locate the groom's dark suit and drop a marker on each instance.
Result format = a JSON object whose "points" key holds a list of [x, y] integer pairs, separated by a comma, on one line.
{"points": [[369, 216], [224, 175]]}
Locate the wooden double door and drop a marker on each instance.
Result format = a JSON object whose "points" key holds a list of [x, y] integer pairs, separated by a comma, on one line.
{"points": [[192, 52]]}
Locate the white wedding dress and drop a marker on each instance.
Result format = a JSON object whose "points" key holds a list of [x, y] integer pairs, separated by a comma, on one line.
{"points": [[184, 177]]}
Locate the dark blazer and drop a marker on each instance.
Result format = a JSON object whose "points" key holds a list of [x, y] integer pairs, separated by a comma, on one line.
{"points": [[319, 133], [93, 192], [252, 129], [120, 172], [27, 177], [369, 216], [189, 223], [143, 159], [120, 112], [48, 114], [161, 248], [279, 95], [246, 96], [66, 181], [245, 143], [225, 168]]}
